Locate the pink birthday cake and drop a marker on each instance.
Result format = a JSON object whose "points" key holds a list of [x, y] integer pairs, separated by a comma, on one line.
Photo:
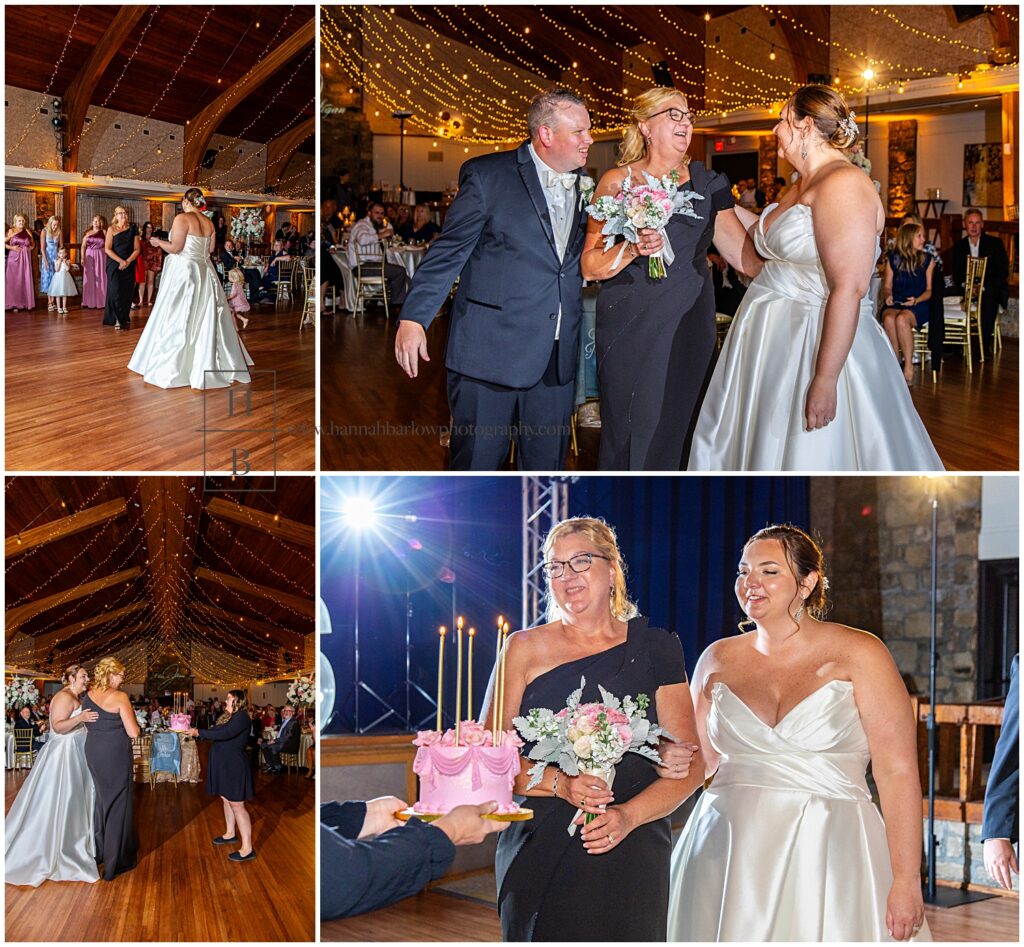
{"points": [[471, 772], [180, 722]]}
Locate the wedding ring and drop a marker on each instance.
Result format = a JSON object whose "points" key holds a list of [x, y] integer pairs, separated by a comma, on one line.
{"points": [[584, 800], [611, 839]]}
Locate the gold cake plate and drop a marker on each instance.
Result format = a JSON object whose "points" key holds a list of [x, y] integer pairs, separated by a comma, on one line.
{"points": [[522, 815]]}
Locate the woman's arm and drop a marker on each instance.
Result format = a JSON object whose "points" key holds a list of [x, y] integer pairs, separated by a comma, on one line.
{"points": [[732, 237], [596, 263], [888, 720], [61, 721], [927, 294], [887, 284], [128, 721], [176, 243], [228, 730]]}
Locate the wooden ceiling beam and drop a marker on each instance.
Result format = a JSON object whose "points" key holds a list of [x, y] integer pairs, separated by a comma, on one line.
{"points": [[281, 149], [280, 527], [290, 640], [810, 53], [304, 606], [16, 617], [78, 96], [66, 526], [202, 126], [45, 643]]}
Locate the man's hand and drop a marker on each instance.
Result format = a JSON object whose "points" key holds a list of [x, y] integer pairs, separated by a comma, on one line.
{"points": [[1000, 860], [410, 346], [380, 815], [464, 825]]}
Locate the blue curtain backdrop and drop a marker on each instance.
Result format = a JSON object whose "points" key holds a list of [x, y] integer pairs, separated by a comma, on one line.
{"points": [[443, 546]]}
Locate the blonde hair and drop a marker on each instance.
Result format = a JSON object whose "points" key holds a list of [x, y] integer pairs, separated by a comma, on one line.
{"points": [[829, 113], [53, 220], [105, 670], [69, 673], [24, 222], [120, 210], [634, 146], [603, 537], [910, 257], [236, 275]]}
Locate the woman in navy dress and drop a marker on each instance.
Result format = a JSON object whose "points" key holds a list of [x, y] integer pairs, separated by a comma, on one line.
{"points": [[609, 881], [908, 287], [228, 774]]}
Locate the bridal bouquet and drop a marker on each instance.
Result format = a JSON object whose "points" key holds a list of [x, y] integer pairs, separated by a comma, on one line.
{"points": [[302, 691], [646, 205], [589, 738], [21, 691]]}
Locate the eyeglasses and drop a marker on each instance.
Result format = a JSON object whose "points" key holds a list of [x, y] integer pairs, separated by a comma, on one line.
{"points": [[676, 115], [581, 562]]}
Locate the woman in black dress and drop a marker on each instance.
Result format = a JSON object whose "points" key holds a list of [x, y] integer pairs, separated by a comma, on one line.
{"points": [[108, 752], [122, 248], [656, 337], [228, 774], [610, 880]]}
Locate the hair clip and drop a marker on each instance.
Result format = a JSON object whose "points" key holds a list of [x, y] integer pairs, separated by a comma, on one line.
{"points": [[849, 124]]}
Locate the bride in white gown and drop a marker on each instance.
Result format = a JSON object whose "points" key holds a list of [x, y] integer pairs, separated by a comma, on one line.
{"points": [[48, 832], [786, 844], [806, 379], [190, 337]]}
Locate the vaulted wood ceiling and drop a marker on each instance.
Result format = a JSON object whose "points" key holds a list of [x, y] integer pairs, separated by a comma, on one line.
{"points": [[156, 565]]}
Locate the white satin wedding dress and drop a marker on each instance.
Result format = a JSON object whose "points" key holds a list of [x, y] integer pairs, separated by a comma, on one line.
{"points": [[786, 844], [48, 832], [190, 338], [752, 417]]}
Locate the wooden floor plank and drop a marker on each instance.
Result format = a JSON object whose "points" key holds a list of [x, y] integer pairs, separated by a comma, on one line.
{"points": [[72, 403], [184, 888], [375, 418]]}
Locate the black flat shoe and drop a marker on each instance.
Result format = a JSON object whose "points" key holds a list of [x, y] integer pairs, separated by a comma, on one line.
{"points": [[235, 857], [220, 840]]}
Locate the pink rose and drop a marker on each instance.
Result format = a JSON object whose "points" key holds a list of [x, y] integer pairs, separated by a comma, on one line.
{"points": [[448, 739], [426, 738], [472, 733], [625, 734], [512, 739]]}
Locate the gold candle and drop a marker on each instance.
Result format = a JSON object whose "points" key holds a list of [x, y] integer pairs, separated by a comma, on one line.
{"points": [[472, 635], [501, 704], [440, 676], [494, 689], [458, 680]]}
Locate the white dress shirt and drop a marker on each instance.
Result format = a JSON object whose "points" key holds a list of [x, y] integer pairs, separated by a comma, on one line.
{"points": [[363, 232], [560, 201]]}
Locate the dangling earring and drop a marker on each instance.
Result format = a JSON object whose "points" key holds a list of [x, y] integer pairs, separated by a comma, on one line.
{"points": [[803, 147], [799, 613]]}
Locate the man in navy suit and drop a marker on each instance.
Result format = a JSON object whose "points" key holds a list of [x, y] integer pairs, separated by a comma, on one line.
{"points": [[999, 827], [288, 738], [513, 238]]}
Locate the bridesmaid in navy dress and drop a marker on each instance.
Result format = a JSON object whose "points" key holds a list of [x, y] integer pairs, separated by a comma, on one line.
{"points": [[610, 880], [108, 752]]}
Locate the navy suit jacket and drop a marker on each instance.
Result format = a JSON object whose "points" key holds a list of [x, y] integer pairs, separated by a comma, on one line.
{"points": [[1001, 815], [360, 876], [498, 241], [288, 737]]}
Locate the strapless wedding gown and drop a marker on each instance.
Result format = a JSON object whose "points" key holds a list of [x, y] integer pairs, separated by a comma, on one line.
{"points": [[190, 338], [752, 417], [48, 832], [786, 844]]}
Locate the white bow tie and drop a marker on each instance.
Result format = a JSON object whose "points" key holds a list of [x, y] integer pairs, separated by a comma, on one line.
{"points": [[554, 178]]}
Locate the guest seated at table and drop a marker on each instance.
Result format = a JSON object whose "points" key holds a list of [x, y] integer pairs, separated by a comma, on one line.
{"points": [[269, 717], [366, 235], [287, 741], [421, 229], [231, 258], [156, 718], [255, 735], [977, 243], [369, 859], [25, 722], [267, 289], [908, 287], [402, 218]]}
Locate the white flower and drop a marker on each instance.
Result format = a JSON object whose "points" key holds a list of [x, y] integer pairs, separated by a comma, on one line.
{"points": [[587, 188]]}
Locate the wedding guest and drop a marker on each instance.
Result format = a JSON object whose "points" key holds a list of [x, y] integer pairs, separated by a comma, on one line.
{"points": [[25, 721], [52, 241], [909, 277], [977, 243], [402, 218], [366, 235], [236, 296], [220, 229], [122, 247], [279, 255], [344, 195], [369, 859], [62, 284], [285, 232], [255, 736], [286, 741], [420, 229], [1000, 827], [19, 288], [269, 716], [232, 258], [108, 751], [152, 259], [228, 774], [593, 631], [94, 271], [330, 273]]}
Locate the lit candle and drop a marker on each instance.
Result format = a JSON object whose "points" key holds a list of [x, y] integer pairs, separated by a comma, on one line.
{"points": [[472, 635], [458, 680], [440, 675], [501, 706], [494, 689]]}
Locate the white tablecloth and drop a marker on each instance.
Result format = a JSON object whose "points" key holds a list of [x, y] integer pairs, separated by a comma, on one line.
{"points": [[409, 257], [9, 757], [346, 274]]}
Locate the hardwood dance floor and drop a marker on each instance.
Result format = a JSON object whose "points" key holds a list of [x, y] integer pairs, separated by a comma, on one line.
{"points": [[184, 888], [375, 418], [72, 404], [434, 916]]}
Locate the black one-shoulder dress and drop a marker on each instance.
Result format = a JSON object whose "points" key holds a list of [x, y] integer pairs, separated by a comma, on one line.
{"points": [[549, 888]]}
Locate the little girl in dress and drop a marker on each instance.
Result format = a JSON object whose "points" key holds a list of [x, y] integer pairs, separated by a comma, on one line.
{"points": [[63, 284], [236, 298]]}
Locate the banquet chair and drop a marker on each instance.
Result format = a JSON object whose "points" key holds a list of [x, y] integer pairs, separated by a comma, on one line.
{"points": [[283, 283], [308, 316], [141, 748], [369, 273], [165, 757], [290, 761], [921, 350], [722, 323], [974, 290], [957, 334], [24, 751]]}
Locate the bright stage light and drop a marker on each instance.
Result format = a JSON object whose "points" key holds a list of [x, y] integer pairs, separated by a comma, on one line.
{"points": [[361, 513]]}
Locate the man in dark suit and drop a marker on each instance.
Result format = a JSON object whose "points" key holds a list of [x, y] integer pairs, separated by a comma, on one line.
{"points": [[368, 859], [26, 721], [287, 741], [230, 258], [1000, 821], [997, 272], [513, 237]]}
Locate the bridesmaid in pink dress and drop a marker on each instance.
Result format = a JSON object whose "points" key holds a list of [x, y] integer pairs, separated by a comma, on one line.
{"points": [[94, 265], [20, 292]]}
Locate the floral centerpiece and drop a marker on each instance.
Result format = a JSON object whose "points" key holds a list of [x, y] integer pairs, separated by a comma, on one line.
{"points": [[645, 205], [142, 719], [302, 691], [21, 691], [247, 225], [589, 738]]}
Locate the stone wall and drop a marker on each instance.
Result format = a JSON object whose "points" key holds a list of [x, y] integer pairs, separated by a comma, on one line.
{"points": [[877, 534], [346, 139], [902, 167]]}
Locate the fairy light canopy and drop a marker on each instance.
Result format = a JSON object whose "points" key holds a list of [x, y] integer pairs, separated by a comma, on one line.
{"points": [[161, 569]]}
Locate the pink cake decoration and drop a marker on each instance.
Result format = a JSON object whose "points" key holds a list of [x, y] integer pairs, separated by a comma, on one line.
{"points": [[180, 722]]}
